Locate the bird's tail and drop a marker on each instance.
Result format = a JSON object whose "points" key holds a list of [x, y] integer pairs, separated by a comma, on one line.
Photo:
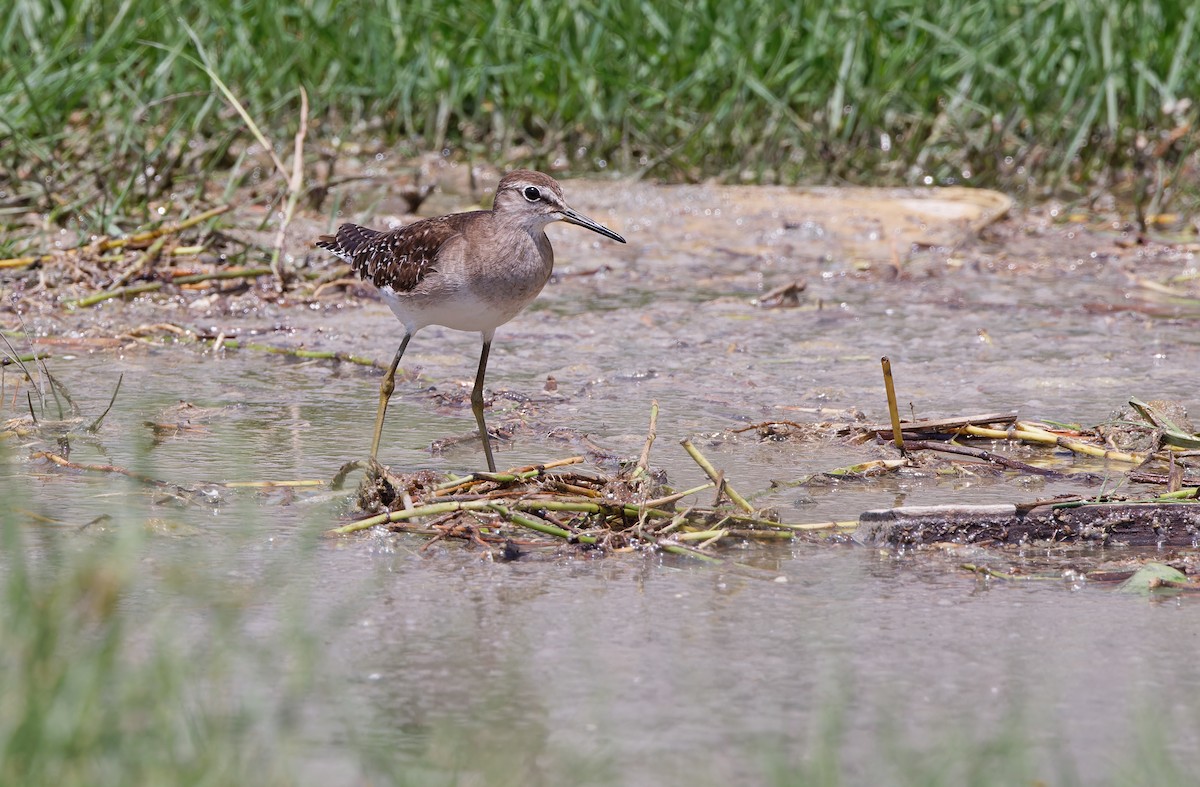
{"points": [[348, 240]]}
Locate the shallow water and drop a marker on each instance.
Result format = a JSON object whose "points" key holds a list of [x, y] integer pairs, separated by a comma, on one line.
{"points": [[641, 669]]}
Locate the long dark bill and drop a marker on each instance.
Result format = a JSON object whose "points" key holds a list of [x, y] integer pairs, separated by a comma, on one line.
{"points": [[572, 217]]}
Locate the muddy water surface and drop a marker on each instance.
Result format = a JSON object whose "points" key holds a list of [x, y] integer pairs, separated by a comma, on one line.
{"points": [[635, 669]]}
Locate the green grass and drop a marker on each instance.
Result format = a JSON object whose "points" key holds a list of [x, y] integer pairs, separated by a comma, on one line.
{"points": [[1029, 96]]}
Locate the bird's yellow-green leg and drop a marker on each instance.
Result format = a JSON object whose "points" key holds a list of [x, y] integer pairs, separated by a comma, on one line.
{"points": [[385, 393]]}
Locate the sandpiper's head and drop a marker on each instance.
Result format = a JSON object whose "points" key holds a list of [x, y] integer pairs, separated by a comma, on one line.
{"points": [[538, 197]]}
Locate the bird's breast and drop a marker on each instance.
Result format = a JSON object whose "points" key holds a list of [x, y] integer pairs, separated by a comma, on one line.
{"points": [[513, 276]]}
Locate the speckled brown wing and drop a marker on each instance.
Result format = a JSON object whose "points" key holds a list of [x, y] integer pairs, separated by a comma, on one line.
{"points": [[398, 259]]}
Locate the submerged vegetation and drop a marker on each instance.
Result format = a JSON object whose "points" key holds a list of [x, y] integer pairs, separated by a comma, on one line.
{"points": [[108, 107]]}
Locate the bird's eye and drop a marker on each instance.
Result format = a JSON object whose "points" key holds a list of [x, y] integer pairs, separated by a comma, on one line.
{"points": [[532, 194]]}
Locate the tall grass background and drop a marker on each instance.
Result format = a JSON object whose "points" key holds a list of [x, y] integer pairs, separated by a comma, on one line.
{"points": [[1033, 96]]}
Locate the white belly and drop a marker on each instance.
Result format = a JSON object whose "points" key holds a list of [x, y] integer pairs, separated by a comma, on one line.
{"points": [[463, 311]]}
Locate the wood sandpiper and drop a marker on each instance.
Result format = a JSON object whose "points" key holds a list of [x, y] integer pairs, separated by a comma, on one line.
{"points": [[469, 271]]}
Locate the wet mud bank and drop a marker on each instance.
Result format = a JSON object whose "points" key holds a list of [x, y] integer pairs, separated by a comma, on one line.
{"points": [[1152, 525], [754, 317]]}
